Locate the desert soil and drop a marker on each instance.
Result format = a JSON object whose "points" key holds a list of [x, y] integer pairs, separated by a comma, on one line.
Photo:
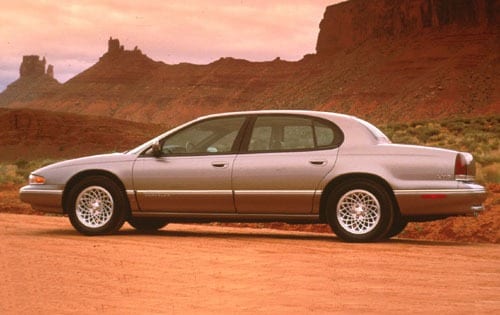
{"points": [[46, 267]]}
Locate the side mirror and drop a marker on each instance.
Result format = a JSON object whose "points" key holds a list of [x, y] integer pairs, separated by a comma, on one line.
{"points": [[157, 152]]}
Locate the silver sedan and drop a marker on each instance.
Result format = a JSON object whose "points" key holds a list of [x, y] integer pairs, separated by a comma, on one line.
{"points": [[261, 166]]}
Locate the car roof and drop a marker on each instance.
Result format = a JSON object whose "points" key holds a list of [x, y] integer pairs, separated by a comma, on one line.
{"points": [[360, 131], [281, 111], [357, 132]]}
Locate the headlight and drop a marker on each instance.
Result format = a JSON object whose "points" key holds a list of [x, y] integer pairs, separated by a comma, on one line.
{"points": [[36, 180]]}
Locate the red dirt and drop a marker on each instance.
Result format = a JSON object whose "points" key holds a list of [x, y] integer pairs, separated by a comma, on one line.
{"points": [[46, 267]]}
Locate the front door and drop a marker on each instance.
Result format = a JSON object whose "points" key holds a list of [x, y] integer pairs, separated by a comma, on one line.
{"points": [[193, 172], [184, 183]]}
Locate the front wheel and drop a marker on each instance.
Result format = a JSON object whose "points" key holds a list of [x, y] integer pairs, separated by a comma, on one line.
{"points": [[96, 206], [360, 211]]}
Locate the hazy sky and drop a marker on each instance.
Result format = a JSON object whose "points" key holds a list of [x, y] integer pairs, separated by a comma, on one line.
{"points": [[72, 35]]}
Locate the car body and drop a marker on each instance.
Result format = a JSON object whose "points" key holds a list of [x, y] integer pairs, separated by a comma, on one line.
{"points": [[257, 166]]}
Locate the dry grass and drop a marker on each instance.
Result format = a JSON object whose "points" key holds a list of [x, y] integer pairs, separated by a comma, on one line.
{"points": [[479, 136]]}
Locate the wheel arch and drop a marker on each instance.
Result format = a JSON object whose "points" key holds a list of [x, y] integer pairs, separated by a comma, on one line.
{"points": [[351, 176], [81, 175]]}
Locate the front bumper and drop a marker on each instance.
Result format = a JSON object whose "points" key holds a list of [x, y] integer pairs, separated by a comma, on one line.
{"points": [[43, 198], [446, 202]]}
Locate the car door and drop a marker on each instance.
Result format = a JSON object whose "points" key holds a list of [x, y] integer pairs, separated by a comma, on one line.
{"points": [[193, 172], [285, 159]]}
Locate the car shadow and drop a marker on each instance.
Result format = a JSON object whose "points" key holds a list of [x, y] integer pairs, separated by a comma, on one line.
{"points": [[196, 233], [225, 234], [247, 233], [408, 241]]}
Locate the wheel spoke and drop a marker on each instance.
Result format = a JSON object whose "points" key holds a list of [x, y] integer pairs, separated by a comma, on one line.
{"points": [[358, 211], [94, 206]]}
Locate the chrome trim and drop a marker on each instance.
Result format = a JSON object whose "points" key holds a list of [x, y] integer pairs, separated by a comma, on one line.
{"points": [[224, 192], [276, 192], [464, 178], [440, 191], [183, 192], [477, 208], [43, 191]]}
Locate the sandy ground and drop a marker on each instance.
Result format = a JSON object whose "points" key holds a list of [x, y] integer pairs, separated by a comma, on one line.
{"points": [[47, 267]]}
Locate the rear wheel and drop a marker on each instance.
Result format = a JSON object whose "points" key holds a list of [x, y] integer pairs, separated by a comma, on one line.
{"points": [[360, 210], [397, 227], [96, 205], [147, 224]]}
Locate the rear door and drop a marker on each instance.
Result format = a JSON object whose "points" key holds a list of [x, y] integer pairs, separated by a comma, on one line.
{"points": [[285, 159]]}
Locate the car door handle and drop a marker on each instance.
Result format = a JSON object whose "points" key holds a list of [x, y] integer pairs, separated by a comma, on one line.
{"points": [[219, 164], [318, 162]]}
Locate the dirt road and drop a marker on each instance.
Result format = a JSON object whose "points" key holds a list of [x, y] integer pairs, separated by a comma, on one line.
{"points": [[46, 267]]}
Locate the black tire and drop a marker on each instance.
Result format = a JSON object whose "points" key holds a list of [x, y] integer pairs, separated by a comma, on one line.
{"points": [[96, 205], [147, 224], [398, 225], [360, 210]]}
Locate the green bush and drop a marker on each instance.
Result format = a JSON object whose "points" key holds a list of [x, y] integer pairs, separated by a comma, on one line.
{"points": [[19, 171], [479, 136], [8, 174]]}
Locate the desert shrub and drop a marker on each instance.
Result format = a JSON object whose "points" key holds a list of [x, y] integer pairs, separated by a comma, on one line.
{"points": [[479, 136], [8, 174], [426, 132], [488, 174], [18, 172]]}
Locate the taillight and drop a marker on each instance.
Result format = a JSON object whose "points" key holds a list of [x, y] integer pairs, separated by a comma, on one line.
{"points": [[464, 167]]}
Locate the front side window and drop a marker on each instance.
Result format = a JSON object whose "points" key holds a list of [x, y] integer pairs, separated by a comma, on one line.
{"points": [[290, 133], [214, 136]]}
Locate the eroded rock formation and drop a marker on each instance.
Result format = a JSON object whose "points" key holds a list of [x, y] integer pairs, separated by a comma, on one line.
{"points": [[351, 23], [382, 60], [33, 66]]}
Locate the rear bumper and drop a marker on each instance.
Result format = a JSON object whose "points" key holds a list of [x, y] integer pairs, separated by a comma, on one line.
{"points": [[446, 202], [48, 199]]}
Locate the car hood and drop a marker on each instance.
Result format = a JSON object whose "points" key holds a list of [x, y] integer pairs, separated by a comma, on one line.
{"points": [[101, 159]]}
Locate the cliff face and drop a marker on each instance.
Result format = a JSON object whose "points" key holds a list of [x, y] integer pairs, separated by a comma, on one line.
{"points": [[351, 23], [382, 60], [28, 133]]}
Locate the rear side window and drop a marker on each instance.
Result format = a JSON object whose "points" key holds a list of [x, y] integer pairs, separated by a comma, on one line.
{"points": [[276, 133], [325, 135]]}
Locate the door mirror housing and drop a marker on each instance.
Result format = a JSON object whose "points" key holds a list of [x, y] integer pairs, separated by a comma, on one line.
{"points": [[157, 151]]}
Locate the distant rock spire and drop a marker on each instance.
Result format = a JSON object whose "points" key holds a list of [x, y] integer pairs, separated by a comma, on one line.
{"points": [[114, 46], [33, 66], [50, 71]]}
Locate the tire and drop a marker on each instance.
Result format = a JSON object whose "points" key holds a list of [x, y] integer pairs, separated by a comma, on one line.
{"points": [[97, 206], [147, 224], [360, 210], [398, 225]]}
